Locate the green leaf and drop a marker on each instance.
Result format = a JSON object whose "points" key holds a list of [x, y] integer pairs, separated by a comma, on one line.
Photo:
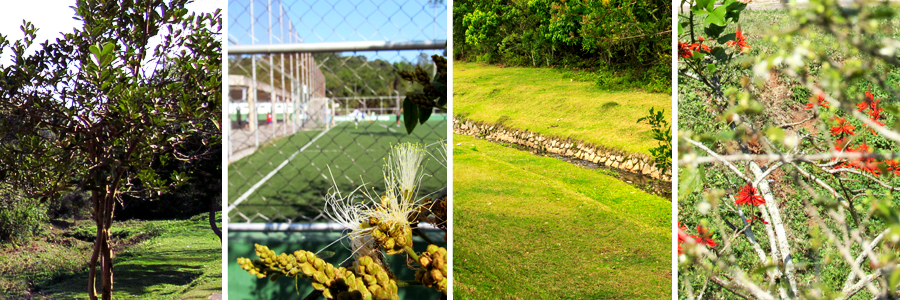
{"points": [[424, 114], [108, 48], [895, 277], [717, 16], [728, 37], [410, 115], [95, 50], [775, 134], [106, 60], [719, 53], [713, 31], [734, 11], [705, 4], [692, 181]]}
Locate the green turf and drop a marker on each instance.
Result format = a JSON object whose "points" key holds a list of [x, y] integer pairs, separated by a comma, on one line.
{"points": [[182, 259], [534, 98], [533, 227], [354, 154]]}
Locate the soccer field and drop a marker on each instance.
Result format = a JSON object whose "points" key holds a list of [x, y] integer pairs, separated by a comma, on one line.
{"points": [[287, 179]]}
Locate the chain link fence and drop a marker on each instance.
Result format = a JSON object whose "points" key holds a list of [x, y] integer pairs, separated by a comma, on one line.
{"points": [[314, 101]]}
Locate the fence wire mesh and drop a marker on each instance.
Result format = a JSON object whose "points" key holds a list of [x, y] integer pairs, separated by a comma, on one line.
{"points": [[302, 122]]}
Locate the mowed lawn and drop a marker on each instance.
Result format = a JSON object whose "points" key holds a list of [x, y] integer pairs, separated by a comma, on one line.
{"points": [[532, 227], [353, 154], [534, 98]]}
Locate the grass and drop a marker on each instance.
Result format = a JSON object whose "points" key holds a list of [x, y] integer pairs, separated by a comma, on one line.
{"points": [[783, 99], [169, 259], [354, 155], [534, 98], [532, 227]]}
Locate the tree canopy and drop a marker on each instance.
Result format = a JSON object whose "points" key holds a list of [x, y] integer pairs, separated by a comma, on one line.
{"points": [[582, 34]]}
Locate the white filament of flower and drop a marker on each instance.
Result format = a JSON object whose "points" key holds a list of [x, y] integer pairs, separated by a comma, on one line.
{"points": [[441, 149], [402, 175], [343, 210]]}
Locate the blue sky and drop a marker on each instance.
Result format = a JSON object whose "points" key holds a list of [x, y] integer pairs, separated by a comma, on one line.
{"points": [[338, 21]]}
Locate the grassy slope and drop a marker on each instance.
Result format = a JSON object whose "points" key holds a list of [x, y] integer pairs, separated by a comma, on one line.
{"points": [[182, 261], [530, 227], [534, 98], [351, 153]]}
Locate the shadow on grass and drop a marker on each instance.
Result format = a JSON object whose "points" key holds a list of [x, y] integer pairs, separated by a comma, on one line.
{"points": [[139, 275], [139, 279]]}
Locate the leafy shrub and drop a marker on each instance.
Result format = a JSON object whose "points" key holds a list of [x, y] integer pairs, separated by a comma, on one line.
{"points": [[662, 133], [623, 35], [20, 217], [74, 204]]}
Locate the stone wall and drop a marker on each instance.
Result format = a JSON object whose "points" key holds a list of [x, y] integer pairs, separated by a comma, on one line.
{"points": [[639, 163]]}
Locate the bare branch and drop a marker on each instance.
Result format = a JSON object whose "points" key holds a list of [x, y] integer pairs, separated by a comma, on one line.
{"points": [[715, 155]]}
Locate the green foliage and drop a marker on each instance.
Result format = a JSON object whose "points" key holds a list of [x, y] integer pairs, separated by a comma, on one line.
{"points": [[347, 76], [417, 106], [617, 34], [20, 216], [71, 205], [662, 133]]}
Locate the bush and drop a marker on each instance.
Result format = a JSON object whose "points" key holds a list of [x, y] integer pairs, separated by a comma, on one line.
{"points": [[72, 205], [20, 217]]}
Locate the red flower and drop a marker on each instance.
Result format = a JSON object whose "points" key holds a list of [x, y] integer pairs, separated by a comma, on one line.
{"points": [[870, 102], [867, 164], [701, 46], [840, 143], [813, 102], [681, 237], [873, 129], [704, 237], [874, 112], [843, 127], [750, 220], [740, 41], [748, 195], [685, 50], [892, 166]]}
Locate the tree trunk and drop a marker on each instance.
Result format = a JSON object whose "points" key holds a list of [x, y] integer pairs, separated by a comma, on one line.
{"points": [[103, 213], [106, 250], [106, 267], [92, 273], [212, 219]]}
